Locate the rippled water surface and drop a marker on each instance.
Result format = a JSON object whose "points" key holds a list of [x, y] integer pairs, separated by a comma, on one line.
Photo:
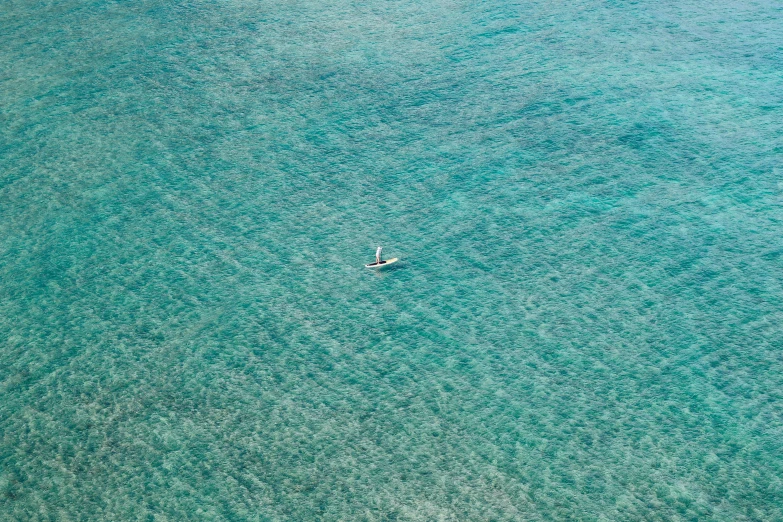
{"points": [[585, 324]]}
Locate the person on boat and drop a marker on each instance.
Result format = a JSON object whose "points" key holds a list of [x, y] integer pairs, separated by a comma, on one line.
{"points": [[378, 256]]}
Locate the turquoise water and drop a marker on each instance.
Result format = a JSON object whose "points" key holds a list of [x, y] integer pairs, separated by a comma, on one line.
{"points": [[585, 324]]}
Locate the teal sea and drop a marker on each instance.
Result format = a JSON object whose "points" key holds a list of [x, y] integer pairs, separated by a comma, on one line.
{"points": [[586, 322]]}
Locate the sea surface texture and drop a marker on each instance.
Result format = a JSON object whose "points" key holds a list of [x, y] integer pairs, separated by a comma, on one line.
{"points": [[586, 322]]}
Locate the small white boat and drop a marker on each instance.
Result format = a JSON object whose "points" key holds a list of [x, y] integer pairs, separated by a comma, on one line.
{"points": [[382, 263]]}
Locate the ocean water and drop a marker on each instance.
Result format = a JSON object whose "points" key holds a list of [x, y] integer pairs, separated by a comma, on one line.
{"points": [[586, 322]]}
